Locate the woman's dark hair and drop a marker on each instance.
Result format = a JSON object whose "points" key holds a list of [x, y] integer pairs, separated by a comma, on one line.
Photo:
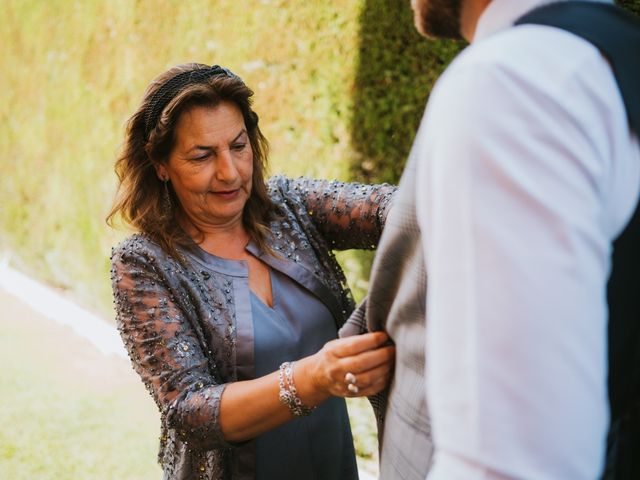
{"points": [[150, 138]]}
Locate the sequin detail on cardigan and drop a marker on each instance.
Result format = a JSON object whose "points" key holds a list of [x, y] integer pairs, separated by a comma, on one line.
{"points": [[177, 319]]}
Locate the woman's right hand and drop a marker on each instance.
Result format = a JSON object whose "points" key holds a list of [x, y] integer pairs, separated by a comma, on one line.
{"points": [[366, 357], [251, 407]]}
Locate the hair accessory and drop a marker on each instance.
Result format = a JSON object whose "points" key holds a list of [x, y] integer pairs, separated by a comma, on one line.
{"points": [[173, 86], [288, 394]]}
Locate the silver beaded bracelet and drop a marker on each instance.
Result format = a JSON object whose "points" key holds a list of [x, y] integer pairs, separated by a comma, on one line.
{"points": [[288, 394]]}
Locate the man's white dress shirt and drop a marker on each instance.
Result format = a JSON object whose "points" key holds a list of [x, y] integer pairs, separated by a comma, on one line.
{"points": [[529, 172]]}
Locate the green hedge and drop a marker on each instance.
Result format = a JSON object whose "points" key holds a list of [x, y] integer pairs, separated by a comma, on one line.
{"points": [[631, 5], [395, 72], [340, 88]]}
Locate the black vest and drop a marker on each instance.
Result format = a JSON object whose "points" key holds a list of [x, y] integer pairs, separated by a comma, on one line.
{"points": [[617, 34]]}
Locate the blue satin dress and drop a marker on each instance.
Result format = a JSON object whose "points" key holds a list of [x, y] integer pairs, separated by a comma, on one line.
{"points": [[319, 446]]}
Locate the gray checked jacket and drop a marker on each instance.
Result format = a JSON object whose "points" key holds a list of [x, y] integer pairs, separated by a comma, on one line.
{"points": [[396, 303]]}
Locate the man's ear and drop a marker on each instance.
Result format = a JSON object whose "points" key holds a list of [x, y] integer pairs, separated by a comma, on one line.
{"points": [[161, 171]]}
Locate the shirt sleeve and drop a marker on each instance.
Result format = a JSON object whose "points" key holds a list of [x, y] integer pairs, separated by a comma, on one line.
{"points": [[347, 215], [517, 258], [165, 351]]}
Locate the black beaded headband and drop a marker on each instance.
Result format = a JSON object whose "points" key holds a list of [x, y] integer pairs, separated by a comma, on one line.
{"points": [[168, 90]]}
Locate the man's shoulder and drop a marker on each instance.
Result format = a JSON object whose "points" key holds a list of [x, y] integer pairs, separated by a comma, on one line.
{"points": [[530, 64], [529, 51]]}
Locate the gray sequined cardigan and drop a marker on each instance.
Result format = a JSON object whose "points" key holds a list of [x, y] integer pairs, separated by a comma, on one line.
{"points": [[187, 325]]}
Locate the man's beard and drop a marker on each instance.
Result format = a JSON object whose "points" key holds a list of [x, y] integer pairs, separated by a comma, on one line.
{"points": [[438, 18]]}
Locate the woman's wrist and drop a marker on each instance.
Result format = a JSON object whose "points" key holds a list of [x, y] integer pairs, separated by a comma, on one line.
{"points": [[288, 393], [308, 388]]}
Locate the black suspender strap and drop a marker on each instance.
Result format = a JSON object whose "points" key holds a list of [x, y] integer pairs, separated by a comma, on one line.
{"points": [[616, 33]]}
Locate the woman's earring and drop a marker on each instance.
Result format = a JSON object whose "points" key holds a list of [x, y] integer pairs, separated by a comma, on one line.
{"points": [[166, 197]]}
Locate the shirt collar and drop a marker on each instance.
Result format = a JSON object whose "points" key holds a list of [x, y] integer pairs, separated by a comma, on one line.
{"points": [[501, 14]]}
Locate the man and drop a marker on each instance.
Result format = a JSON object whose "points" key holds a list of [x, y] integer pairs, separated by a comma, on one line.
{"points": [[522, 174]]}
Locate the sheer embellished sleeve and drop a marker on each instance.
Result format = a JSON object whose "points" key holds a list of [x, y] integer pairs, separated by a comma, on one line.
{"points": [[348, 215], [165, 348]]}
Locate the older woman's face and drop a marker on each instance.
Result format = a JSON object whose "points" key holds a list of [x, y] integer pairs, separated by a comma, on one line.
{"points": [[211, 165]]}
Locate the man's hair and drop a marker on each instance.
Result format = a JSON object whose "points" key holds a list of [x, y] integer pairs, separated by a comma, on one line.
{"points": [[140, 198], [438, 18]]}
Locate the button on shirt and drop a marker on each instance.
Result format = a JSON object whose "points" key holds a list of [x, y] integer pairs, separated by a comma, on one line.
{"points": [[529, 172]]}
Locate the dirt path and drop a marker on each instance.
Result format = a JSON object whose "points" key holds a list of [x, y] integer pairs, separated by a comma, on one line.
{"points": [[57, 344]]}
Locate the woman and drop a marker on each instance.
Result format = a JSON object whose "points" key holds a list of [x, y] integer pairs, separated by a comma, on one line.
{"points": [[229, 299]]}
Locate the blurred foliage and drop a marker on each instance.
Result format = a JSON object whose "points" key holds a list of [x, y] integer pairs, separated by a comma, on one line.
{"points": [[74, 71], [396, 70], [365, 434], [631, 5]]}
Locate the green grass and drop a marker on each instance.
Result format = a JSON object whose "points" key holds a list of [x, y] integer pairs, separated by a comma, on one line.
{"points": [[68, 412], [72, 434]]}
